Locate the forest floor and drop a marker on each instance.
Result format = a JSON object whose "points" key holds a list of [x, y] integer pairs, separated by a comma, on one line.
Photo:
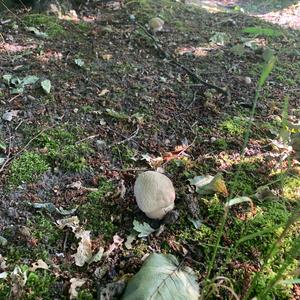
{"points": [[70, 153]]}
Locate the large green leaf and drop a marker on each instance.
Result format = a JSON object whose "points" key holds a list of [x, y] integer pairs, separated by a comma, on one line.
{"points": [[161, 278]]}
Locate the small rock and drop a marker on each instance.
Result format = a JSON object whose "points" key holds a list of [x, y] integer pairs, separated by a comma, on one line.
{"points": [[100, 145], [31, 98], [247, 80]]}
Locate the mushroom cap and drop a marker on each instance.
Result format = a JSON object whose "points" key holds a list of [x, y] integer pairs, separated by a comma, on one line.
{"points": [[156, 24], [155, 194]]}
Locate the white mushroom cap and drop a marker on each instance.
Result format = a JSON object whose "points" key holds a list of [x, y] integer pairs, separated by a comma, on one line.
{"points": [[155, 194]]}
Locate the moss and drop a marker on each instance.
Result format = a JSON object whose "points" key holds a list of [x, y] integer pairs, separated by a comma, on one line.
{"points": [[27, 168], [245, 179], [49, 24], [123, 152], [4, 290], [85, 295], [272, 216], [61, 150], [39, 285], [183, 167], [98, 210], [235, 126], [221, 144], [84, 26], [291, 188], [44, 230]]}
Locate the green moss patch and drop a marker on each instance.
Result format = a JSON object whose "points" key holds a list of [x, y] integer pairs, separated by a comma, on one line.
{"points": [[98, 209], [49, 24], [291, 188], [61, 150], [27, 168], [235, 126]]}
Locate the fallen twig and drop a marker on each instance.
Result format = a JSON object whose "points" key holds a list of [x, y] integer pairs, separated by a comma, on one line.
{"points": [[166, 55], [135, 133]]}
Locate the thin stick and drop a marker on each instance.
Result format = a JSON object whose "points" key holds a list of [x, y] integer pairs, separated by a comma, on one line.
{"points": [[87, 138], [193, 76]]}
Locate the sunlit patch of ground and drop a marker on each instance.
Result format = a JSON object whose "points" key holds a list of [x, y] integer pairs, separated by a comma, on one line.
{"points": [[285, 13]]}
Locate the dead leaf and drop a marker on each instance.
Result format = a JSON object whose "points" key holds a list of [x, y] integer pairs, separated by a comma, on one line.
{"points": [[72, 222], [77, 185], [179, 150], [39, 264], [129, 240], [103, 92], [75, 283], [107, 56], [19, 279], [84, 251], [209, 184], [98, 256], [117, 242], [154, 162], [9, 115]]}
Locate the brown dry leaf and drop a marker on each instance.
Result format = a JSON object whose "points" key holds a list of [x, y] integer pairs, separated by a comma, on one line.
{"points": [[72, 222], [179, 150], [103, 92], [107, 56], [117, 242], [18, 281], [39, 264], [84, 251], [219, 185], [75, 283], [208, 184]]}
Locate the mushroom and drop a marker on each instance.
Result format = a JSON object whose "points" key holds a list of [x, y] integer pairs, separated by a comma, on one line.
{"points": [[156, 24], [155, 194]]}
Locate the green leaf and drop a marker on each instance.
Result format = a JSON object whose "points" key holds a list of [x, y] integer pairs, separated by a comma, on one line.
{"points": [[17, 90], [266, 71], [30, 80], [46, 86], [161, 278], [144, 229], [15, 81], [79, 62]]}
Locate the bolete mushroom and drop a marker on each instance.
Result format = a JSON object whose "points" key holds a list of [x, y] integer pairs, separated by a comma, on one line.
{"points": [[155, 194]]}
